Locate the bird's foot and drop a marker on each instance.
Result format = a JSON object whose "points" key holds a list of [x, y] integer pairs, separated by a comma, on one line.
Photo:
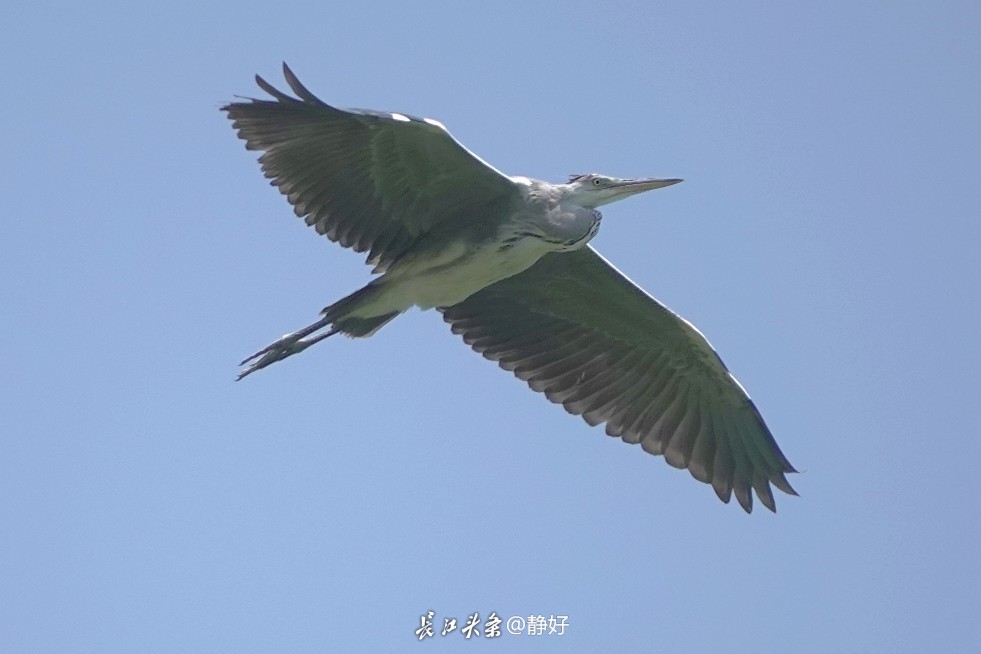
{"points": [[286, 346]]}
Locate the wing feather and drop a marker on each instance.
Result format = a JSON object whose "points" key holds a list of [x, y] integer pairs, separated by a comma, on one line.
{"points": [[574, 328], [372, 181]]}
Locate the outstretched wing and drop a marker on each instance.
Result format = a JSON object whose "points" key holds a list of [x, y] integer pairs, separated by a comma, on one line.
{"points": [[578, 330], [369, 180]]}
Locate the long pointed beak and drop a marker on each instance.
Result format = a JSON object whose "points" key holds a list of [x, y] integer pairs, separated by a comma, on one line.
{"points": [[631, 186]]}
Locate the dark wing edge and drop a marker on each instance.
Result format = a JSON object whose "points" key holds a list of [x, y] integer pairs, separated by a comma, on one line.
{"points": [[576, 329], [371, 181]]}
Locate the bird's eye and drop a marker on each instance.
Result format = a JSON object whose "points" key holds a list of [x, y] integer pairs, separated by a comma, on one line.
{"points": [[597, 182]]}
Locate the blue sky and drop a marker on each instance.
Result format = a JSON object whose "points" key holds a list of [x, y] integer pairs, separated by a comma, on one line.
{"points": [[825, 241]]}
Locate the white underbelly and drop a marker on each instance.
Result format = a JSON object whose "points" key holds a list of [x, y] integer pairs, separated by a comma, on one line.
{"points": [[450, 280]]}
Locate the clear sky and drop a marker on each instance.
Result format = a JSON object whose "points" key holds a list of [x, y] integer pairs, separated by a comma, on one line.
{"points": [[825, 240]]}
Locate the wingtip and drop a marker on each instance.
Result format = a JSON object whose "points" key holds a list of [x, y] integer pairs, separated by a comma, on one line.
{"points": [[767, 500], [780, 481], [744, 496], [290, 76], [723, 489], [267, 87], [761, 485], [301, 91]]}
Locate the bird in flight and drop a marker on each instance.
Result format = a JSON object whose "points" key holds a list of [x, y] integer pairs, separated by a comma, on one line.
{"points": [[506, 260]]}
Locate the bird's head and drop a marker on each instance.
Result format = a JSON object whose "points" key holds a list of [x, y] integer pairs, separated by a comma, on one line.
{"points": [[595, 190]]}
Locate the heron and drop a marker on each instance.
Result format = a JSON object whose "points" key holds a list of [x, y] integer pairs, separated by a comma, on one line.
{"points": [[507, 261]]}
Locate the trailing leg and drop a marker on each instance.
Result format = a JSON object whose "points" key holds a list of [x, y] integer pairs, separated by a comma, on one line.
{"points": [[359, 315], [287, 346]]}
